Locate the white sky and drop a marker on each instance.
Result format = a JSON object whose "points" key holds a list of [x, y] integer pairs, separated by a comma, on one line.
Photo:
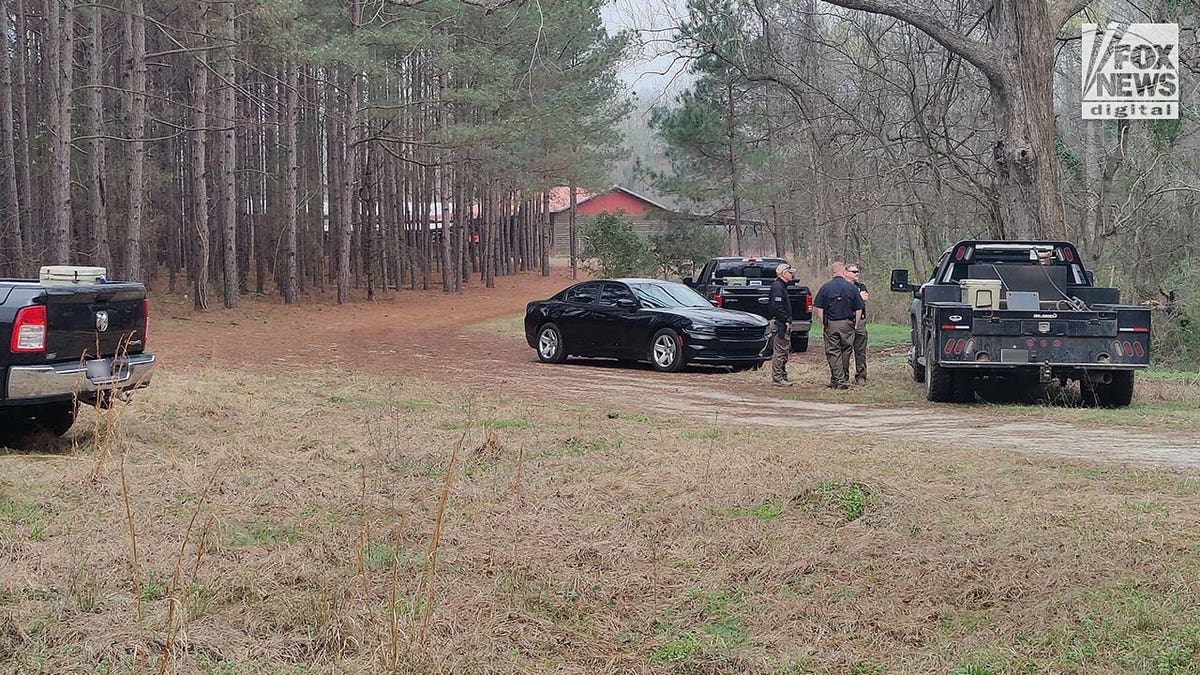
{"points": [[650, 69]]}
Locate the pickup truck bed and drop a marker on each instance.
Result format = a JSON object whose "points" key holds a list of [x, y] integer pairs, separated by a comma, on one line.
{"points": [[743, 283], [66, 344]]}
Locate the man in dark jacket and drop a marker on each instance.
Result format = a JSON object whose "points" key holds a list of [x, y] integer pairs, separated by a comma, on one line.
{"points": [[780, 309], [838, 307]]}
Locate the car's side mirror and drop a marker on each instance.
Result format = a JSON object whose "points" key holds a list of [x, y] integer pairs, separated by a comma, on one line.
{"points": [[900, 282], [626, 303], [688, 281]]}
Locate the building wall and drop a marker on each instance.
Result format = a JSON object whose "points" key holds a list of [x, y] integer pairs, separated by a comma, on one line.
{"points": [[615, 202]]}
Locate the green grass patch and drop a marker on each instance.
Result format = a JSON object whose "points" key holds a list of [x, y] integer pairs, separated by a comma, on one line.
{"points": [[701, 434], [259, 533], [878, 335], [768, 510], [847, 499]]}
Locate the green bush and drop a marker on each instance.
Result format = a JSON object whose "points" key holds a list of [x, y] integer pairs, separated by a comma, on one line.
{"points": [[612, 249]]}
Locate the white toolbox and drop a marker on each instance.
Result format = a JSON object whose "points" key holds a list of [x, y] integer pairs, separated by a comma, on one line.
{"points": [[67, 275]]}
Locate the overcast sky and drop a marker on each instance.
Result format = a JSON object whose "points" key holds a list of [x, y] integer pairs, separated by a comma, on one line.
{"points": [[649, 70]]}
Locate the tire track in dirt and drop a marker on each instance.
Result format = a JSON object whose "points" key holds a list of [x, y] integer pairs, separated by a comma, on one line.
{"points": [[704, 398]]}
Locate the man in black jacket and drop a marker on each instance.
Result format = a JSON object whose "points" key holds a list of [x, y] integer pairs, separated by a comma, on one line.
{"points": [[780, 308], [838, 307]]}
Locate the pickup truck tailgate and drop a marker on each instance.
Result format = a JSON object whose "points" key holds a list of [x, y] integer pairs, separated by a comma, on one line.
{"points": [[95, 321]]}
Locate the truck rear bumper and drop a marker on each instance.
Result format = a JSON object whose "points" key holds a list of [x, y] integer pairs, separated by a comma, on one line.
{"points": [[67, 379], [801, 326]]}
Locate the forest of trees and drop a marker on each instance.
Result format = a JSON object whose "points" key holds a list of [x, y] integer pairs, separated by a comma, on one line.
{"points": [[884, 130], [284, 146]]}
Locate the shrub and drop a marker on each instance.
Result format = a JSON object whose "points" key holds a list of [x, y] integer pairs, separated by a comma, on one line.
{"points": [[612, 249]]}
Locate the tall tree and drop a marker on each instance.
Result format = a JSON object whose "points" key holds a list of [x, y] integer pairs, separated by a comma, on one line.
{"points": [[135, 30], [227, 115], [197, 123], [11, 250], [60, 45], [96, 249], [1018, 62]]}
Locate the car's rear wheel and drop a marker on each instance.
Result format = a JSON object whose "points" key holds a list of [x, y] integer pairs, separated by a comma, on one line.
{"points": [[666, 351], [550, 345]]}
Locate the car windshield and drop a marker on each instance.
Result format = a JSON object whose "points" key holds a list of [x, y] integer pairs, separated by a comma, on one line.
{"points": [[668, 294], [761, 269]]}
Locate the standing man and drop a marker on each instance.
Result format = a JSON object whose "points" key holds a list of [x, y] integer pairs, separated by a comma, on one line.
{"points": [[854, 270], [838, 307], [780, 308]]}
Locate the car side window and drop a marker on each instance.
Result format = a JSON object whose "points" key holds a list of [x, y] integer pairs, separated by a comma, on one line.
{"points": [[705, 274], [584, 295], [612, 293]]}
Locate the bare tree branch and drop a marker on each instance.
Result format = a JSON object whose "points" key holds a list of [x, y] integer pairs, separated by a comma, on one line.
{"points": [[982, 56], [1063, 10]]}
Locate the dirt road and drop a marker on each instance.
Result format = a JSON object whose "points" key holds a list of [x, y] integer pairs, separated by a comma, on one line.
{"points": [[439, 337]]}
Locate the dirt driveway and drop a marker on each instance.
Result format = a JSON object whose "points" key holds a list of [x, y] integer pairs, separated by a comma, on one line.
{"points": [[439, 337]]}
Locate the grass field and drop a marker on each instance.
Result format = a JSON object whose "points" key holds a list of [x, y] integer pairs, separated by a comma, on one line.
{"points": [[239, 523]]}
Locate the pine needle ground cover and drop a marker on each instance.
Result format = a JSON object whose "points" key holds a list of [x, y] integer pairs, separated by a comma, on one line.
{"points": [[238, 522]]}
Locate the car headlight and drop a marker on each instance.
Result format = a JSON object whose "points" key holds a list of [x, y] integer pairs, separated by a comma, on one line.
{"points": [[702, 330]]}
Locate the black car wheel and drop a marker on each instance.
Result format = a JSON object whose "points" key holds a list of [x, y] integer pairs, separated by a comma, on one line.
{"points": [[550, 346], [666, 351]]}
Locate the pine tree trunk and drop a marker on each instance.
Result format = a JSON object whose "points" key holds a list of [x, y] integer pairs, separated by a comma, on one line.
{"points": [[136, 29], [289, 253], [197, 120], [227, 113], [97, 250], [24, 160], [60, 46], [11, 250], [571, 229]]}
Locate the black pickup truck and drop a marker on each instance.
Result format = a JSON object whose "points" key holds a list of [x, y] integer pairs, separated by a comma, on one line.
{"points": [[1025, 312], [60, 344], [743, 283]]}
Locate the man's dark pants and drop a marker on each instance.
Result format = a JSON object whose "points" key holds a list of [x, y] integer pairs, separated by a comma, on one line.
{"points": [[839, 344], [860, 352]]}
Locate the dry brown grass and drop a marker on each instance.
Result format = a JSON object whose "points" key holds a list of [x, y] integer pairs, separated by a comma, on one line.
{"points": [[574, 540]]}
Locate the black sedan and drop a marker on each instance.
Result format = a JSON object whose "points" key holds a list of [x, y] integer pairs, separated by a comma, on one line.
{"points": [[665, 323]]}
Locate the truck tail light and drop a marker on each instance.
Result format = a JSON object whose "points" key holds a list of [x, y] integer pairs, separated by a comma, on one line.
{"points": [[29, 330], [808, 303], [718, 300]]}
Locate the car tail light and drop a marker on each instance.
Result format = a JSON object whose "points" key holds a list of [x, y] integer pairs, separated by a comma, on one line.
{"points": [[29, 330], [145, 321], [1137, 349], [959, 345], [949, 348], [718, 300], [808, 303], [1127, 347]]}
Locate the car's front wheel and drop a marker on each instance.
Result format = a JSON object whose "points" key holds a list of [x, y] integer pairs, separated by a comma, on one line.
{"points": [[666, 351], [550, 345]]}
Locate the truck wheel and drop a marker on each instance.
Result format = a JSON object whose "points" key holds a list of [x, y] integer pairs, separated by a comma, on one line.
{"points": [[666, 351], [1115, 394], [19, 422], [939, 382], [1120, 392], [550, 346], [800, 342]]}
